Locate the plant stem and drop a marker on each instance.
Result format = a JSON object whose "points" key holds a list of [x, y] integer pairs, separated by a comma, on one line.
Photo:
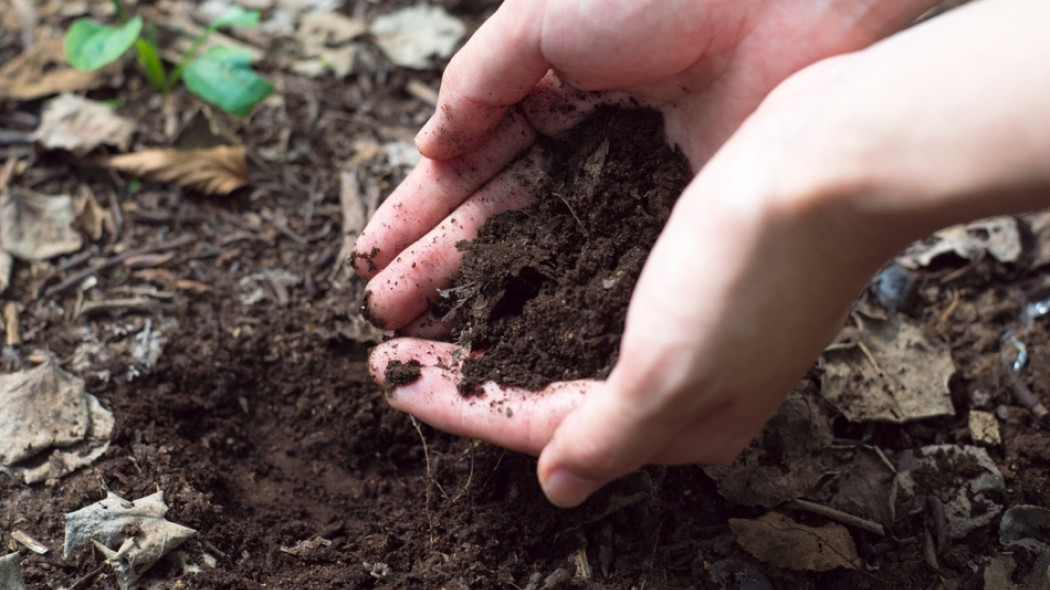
{"points": [[176, 74], [122, 16]]}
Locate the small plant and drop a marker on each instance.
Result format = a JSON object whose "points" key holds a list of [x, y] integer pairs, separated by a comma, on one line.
{"points": [[222, 76]]}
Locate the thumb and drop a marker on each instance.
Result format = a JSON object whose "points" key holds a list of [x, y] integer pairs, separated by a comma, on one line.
{"points": [[606, 437]]}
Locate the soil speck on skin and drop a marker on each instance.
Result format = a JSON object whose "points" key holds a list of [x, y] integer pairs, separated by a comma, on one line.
{"points": [[399, 373], [544, 290]]}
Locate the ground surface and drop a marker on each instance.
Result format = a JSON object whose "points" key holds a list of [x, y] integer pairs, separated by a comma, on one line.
{"points": [[260, 424]]}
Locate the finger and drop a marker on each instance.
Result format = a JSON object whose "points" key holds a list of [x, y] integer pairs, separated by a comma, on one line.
{"points": [[495, 69], [513, 418], [431, 191], [554, 107], [427, 326], [605, 438], [398, 294]]}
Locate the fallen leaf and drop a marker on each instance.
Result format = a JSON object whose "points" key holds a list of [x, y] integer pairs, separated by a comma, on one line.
{"points": [[41, 408], [776, 539], [785, 460], [43, 70], [92, 218], [137, 529], [79, 125], [11, 573], [215, 171], [1026, 526], [320, 30], [35, 226], [998, 236], [411, 36], [963, 477], [893, 374]]}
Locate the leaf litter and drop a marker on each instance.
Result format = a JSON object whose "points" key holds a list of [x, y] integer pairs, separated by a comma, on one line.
{"points": [[131, 535]]}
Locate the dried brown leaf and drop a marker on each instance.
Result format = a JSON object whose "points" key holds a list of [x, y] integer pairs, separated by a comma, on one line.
{"points": [[70, 122], [215, 171], [774, 538], [43, 70]]}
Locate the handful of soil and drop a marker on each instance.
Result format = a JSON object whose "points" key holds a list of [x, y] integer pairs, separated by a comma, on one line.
{"points": [[544, 290]]}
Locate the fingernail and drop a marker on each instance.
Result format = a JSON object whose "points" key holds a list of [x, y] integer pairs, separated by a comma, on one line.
{"points": [[565, 489], [425, 131]]}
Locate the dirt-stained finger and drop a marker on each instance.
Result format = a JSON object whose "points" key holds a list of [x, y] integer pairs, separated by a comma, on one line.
{"points": [[493, 71], [398, 293], [431, 192], [509, 417]]}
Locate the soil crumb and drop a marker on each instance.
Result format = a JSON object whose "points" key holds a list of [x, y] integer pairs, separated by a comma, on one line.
{"points": [[398, 373], [544, 290]]}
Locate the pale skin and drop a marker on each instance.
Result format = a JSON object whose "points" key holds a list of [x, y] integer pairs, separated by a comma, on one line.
{"points": [[818, 156]]}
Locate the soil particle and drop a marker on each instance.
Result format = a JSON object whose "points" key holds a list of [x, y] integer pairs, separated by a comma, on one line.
{"points": [[544, 290], [398, 373]]}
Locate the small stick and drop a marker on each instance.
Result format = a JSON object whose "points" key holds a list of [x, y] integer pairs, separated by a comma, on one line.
{"points": [[1024, 396], [950, 309], [75, 279], [838, 515], [130, 304], [867, 354], [12, 332]]}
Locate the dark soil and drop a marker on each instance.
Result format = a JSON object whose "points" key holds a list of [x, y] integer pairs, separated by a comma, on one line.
{"points": [[544, 290], [261, 425]]}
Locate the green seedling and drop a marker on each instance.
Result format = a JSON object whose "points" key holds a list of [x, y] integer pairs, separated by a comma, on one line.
{"points": [[222, 76]]}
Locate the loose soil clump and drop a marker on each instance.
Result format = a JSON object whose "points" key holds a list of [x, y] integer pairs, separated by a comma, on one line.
{"points": [[544, 290]]}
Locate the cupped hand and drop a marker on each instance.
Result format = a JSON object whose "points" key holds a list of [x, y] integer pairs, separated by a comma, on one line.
{"points": [[740, 292]]}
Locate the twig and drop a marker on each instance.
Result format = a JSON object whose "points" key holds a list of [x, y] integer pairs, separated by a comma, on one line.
{"points": [[950, 309], [1024, 396], [75, 279], [837, 515], [867, 354], [129, 304], [86, 577], [12, 331]]}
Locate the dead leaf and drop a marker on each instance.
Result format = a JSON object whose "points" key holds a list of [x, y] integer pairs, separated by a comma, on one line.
{"points": [[963, 477], [92, 218], [1026, 526], [998, 236], [35, 226], [215, 171], [774, 538], [43, 70], [319, 30], [137, 529], [43, 408], [411, 36], [11, 573], [79, 125], [784, 462], [1039, 226], [894, 374]]}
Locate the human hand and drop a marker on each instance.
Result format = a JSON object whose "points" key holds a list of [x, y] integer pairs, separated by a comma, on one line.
{"points": [[685, 389], [704, 65]]}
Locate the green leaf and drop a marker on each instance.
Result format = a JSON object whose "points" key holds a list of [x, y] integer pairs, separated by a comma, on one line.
{"points": [[235, 16], [223, 76], [90, 46]]}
